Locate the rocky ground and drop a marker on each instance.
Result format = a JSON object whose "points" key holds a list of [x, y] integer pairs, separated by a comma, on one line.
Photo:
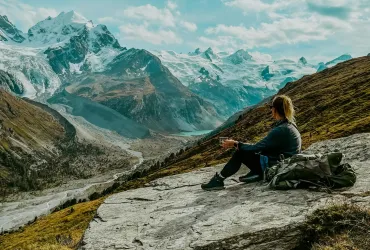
{"points": [[174, 213]]}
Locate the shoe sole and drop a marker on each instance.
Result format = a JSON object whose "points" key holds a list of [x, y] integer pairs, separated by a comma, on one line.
{"points": [[250, 179], [213, 189]]}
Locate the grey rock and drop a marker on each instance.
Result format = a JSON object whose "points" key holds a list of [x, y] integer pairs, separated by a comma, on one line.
{"points": [[174, 213]]}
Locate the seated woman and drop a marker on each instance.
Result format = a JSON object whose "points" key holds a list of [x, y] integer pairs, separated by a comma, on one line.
{"points": [[284, 139]]}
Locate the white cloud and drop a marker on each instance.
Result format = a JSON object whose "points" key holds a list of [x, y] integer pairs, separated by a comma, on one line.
{"points": [[154, 25], [23, 14], [108, 19], [143, 33], [222, 43], [151, 13], [189, 26], [261, 57], [249, 5], [171, 5], [293, 25]]}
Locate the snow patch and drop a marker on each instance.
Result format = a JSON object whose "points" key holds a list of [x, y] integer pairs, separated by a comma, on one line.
{"points": [[75, 68]]}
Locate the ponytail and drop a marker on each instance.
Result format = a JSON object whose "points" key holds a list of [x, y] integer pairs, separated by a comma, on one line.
{"points": [[284, 106]]}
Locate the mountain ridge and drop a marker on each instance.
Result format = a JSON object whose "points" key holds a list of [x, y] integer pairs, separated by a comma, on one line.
{"points": [[77, 50]]}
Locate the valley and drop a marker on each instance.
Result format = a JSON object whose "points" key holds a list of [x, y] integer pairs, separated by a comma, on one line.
{"points": [[83, 117]]}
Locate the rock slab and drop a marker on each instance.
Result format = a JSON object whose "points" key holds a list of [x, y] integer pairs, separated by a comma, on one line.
{"points": [[174, 213]]}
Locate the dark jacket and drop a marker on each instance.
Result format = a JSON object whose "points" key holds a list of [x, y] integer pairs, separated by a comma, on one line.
{"points": [[284, 138]]}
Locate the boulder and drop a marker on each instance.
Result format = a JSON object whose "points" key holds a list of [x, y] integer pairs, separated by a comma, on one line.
{"points": [[174, 213]]}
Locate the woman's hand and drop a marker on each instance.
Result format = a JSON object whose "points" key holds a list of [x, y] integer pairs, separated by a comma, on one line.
{"points": [[228, 144]]}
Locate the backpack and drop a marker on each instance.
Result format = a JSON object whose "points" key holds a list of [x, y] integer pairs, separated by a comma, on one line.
{"points": [[305, 170]]}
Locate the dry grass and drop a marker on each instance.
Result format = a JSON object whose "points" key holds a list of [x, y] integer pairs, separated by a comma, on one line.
{"points": [[60, 230], [336, 228]]}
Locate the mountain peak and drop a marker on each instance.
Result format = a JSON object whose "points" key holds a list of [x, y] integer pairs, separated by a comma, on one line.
{"points": [[342, 58], [72, 17], [209, 51], [239, 56], [302, 60], [58, 29]]}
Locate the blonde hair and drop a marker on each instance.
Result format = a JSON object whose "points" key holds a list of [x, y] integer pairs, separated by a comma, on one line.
{"points": [[284, 106]]}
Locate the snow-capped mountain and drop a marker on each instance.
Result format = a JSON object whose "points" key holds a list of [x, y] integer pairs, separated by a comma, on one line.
{"points": [[34, 76], [74, 44], [334, 62], [8, 32], [91, 61], [232, 81]]}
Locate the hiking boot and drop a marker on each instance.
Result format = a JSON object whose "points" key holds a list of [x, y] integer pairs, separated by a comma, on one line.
{"points": [[216, 183], [250, 177]]}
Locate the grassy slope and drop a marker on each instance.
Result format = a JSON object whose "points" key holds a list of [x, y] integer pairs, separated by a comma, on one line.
{"points": [[60, 230], [34, 130], [31, 124], [331, 104]]}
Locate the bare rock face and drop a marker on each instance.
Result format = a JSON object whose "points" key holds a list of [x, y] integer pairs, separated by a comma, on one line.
{"points": [[174, 213]]}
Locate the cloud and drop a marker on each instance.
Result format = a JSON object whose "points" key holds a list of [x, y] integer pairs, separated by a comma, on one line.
{"points": [[222, 43], [189, 26], [151, 13], [143, 33], [24, 15], [108, 19], [249, 5], [282, 31], [261, 57], [171, 5], [341, 12], [152, 24]]}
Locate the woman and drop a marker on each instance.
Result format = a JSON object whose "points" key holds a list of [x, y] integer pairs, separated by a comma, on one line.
{"points": [[284, 139]]}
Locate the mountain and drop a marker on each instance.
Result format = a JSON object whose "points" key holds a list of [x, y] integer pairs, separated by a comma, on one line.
{"points": [[73, 44], [330, 104], [138, 86], [8, 32], [333, 62], [89, 62], [232, 81], [239, 57], [30, 70]]}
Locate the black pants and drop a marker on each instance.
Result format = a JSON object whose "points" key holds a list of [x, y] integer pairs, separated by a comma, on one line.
{"points": [[251, 160]]}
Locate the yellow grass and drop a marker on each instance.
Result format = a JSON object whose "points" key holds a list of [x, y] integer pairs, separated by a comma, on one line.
{"points": [[60, 230]]}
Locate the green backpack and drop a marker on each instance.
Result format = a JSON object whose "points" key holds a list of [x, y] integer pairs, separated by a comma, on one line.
{"points": [[305, 170]]}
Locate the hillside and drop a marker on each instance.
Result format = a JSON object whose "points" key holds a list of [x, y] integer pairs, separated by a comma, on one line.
{"points": [[330, 104], [36, 141]]}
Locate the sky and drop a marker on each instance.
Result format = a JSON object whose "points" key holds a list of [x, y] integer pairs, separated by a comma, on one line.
{"points": [[319, 30]]}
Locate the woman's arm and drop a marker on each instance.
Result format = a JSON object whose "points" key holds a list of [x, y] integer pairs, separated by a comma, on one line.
{"points": [[271, 141]]}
